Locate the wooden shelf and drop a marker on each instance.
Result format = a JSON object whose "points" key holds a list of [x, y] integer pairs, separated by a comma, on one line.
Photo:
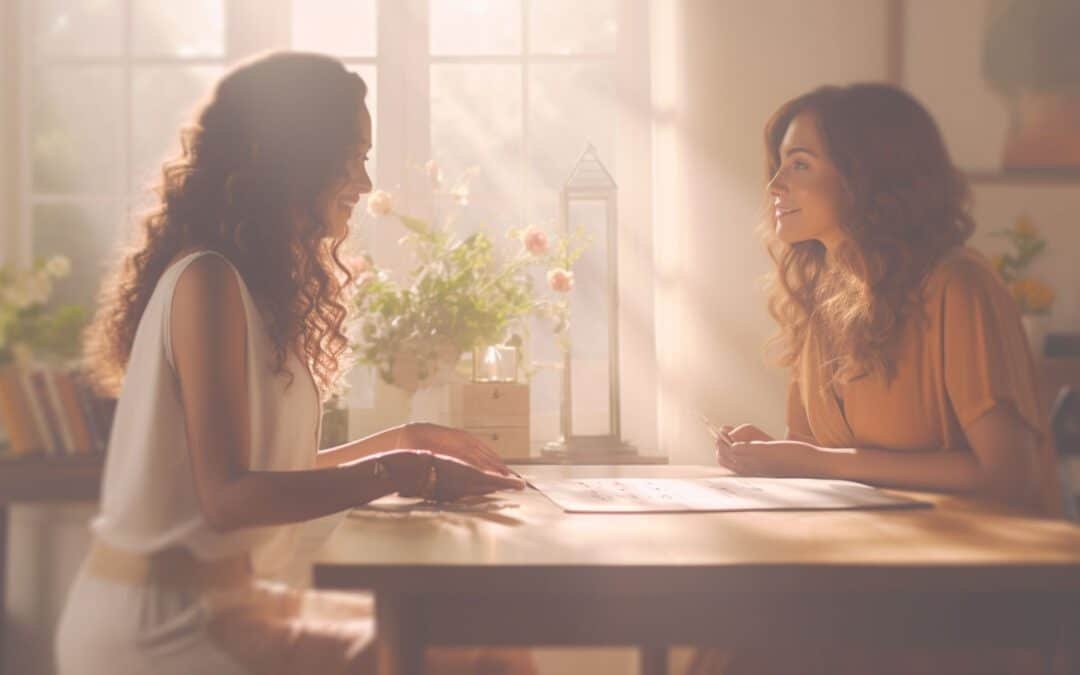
{"points": [[46, 479], [1025, 178]]}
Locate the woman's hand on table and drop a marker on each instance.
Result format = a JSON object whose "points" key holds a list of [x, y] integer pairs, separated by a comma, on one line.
{"points": [[454, 443], [752, 452], [440, 477]]}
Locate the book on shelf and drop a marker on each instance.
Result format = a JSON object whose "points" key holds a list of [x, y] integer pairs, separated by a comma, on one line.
{"points": [[16, 416], [53, 411]]}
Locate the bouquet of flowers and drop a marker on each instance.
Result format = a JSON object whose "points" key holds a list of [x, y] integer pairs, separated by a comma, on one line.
{"points": [[27, 326], [461, 294], [1033, 295]]}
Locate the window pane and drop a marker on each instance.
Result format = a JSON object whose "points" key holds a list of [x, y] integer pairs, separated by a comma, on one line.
{"points": [[87, 234], [78, 28], [476, 121], [77, 130], [572, 26], [339, 27], [163, 99], [188, 28], [475, 27], [570, 106]]}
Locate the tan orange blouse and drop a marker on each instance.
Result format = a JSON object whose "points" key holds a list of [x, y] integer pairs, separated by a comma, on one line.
{"points": [[969, 357]]}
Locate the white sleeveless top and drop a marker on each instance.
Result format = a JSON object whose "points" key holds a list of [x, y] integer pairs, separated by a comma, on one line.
{"points": [[148, 497]]}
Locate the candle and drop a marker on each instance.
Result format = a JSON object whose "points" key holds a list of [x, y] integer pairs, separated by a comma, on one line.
{"points": [[496, 363]]}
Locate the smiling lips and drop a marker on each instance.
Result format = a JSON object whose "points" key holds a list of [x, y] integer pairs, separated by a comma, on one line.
{"points": [[780, 213]]}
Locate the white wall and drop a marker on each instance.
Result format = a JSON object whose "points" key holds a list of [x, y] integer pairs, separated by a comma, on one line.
{"points": [[720, 70], [9, 65]]}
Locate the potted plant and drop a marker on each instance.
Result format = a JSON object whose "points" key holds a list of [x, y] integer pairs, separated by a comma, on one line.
{"points": [[1034, 297], [462, 292], [28, 328]]}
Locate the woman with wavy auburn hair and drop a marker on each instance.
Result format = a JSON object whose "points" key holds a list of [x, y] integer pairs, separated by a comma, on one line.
{"points": [[222, 331], [909, 365]]}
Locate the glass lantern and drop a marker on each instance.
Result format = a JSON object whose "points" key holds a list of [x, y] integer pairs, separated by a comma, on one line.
{"points": [[589, 400]]}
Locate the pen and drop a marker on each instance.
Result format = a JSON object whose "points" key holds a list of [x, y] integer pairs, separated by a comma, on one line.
{"points": [[715, 431]]}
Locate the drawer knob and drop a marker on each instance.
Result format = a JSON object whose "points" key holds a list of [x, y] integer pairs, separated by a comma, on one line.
{"points": [[494, 437], [495, 394]]}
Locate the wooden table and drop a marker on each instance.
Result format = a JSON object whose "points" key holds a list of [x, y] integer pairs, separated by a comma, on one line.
{"points": [[36, 479], [962, 573]]}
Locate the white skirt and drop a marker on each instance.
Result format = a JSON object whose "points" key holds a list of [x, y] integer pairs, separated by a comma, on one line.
{"points": [[114, 628]]}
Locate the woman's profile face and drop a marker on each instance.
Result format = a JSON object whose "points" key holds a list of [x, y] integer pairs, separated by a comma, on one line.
{"points": [[339, 202], [807, 191]]}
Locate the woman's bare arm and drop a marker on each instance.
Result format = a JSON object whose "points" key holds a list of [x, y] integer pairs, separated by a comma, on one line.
{"points": [[208, 334], [352, 451], [1000, 464]]}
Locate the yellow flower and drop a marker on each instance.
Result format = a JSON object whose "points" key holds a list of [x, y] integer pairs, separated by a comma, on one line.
{"points": [[1025, 228], [1033, 296], [999, 263]]}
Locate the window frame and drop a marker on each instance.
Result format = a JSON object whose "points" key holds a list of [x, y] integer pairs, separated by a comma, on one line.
{"points": [[403, 135]]}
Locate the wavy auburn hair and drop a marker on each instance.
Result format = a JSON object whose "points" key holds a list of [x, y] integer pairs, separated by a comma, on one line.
{"points": [[275, 136], [905, 206]]}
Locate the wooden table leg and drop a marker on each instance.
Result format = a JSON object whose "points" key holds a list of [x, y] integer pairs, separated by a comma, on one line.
{"points": [[654, 660], [400, 643]]}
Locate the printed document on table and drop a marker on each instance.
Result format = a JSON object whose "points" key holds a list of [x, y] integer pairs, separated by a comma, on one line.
{"points": [[726, 493]]}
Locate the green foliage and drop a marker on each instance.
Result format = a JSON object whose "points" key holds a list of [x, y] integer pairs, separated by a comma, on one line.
{"points": [[27, 324], [461, 294]]}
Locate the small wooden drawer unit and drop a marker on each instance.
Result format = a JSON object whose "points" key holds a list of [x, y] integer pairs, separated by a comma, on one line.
{"points": [[497, 412]]}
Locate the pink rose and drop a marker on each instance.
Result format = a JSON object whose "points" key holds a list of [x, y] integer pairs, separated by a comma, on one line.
{"points": [[536, 241], [560, 280], [360, 268], [357, 264]]}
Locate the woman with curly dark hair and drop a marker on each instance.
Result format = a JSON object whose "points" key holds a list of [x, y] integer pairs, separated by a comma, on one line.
{"points": [[222, 331], [909, 365]]}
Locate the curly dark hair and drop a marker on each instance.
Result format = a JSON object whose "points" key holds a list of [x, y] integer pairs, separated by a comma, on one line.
{"points": [[275, 135], [906, 206]]}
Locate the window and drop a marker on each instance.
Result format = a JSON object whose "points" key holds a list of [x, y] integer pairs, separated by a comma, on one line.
{"points": [[515, 88], [106, 86]]}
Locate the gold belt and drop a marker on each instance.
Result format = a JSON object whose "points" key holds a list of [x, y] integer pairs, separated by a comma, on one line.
{"points": [[172, 568]]}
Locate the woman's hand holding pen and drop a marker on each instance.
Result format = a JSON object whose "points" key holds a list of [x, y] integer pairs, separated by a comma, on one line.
{"points": [[749, 451]]}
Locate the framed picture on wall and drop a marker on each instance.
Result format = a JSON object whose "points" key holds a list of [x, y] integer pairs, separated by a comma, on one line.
{"points": [[1002, 79]]}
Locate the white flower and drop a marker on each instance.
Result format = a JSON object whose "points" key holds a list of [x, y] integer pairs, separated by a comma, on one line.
{"points": [[380, 203], [460, 195], [58, 266], [434, 173]]}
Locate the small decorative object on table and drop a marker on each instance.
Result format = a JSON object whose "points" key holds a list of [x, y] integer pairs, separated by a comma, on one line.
{"points": [[1034, 297], [590, 420], [495, 363]]}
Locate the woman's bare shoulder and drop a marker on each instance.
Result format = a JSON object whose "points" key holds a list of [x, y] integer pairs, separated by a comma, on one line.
{"points": [[206, 304]]}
